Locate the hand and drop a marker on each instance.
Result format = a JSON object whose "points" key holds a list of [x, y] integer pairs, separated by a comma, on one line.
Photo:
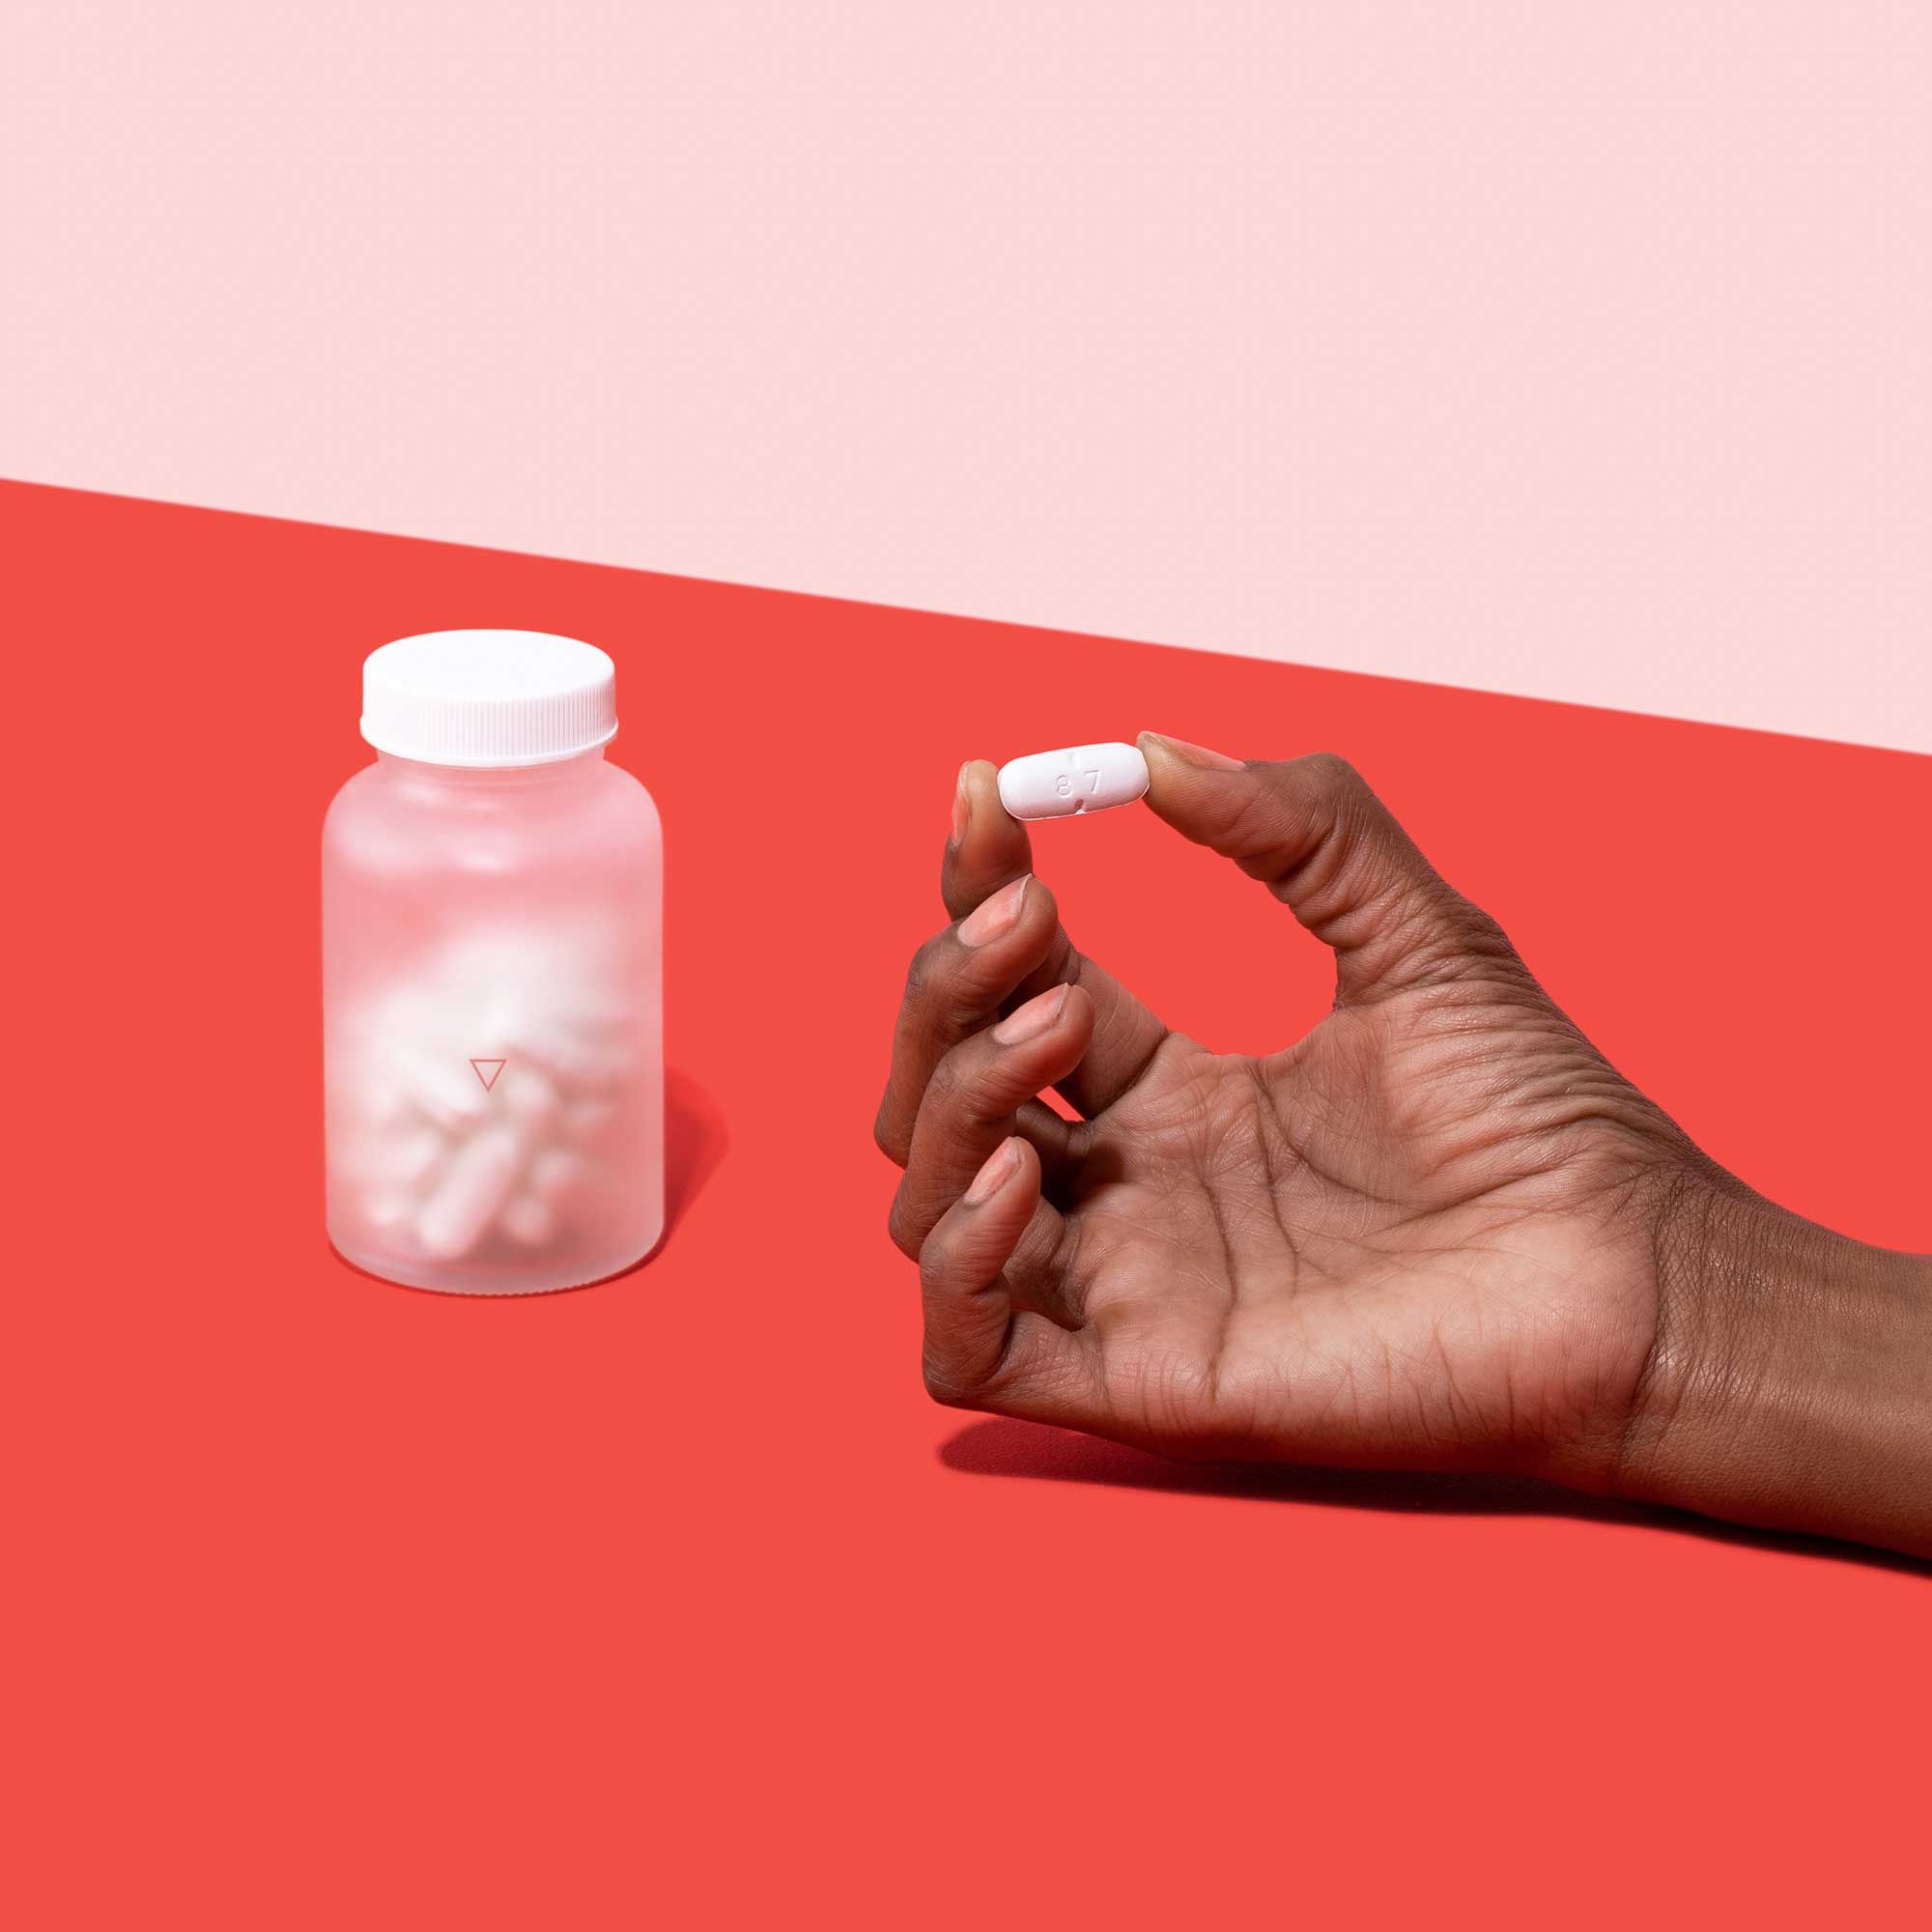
{"points": [[1437, 1231]]}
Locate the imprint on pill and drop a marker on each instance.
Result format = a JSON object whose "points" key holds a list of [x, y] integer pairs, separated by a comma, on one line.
{"points": [[1076, 779]]}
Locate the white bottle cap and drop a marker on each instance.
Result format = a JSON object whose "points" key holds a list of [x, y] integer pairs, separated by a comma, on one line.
{"points": [[488, 698]]}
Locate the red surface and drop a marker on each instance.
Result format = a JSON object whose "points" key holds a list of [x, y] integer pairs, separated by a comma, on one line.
{"points": [[673, 1598]]}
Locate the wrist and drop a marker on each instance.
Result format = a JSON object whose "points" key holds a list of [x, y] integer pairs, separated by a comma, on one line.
{"points": [[1789, 1383]]}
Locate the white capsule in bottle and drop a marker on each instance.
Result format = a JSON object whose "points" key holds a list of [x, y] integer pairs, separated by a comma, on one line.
{"points": [[1076, 779]]}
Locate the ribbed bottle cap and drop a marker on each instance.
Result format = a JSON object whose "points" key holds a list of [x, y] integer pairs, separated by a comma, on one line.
{"points": [[488, 698]]}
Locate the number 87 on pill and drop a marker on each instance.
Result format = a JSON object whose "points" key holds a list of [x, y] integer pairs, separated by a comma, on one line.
{"points": [[1076, 779]]}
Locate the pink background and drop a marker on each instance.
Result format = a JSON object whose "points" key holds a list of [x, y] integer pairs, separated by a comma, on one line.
{"points": [[1565, 349]]}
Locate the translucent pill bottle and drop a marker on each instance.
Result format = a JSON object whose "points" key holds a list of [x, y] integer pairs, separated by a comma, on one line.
{"points": [[492, 974]]}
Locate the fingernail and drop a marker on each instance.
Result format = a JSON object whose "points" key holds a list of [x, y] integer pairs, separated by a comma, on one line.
{"points": [[994, 916], [1198, 756], [962, 805], [1038, 1014], [1001, 1166]]}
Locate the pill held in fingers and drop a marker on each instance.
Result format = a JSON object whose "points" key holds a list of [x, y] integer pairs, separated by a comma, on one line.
{"points": [[1076, 779]]}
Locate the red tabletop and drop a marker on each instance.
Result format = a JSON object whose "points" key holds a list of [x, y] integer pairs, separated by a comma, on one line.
{"points": [[674, 1600]]}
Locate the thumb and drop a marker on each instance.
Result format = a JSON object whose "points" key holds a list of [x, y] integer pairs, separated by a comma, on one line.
{"points": [[1328, 848]]}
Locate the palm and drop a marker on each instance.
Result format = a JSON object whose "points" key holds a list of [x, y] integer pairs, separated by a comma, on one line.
{"points": [[1385, 1236]]}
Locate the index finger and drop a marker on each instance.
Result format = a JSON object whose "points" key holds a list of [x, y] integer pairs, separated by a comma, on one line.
{"points": [[990, 848]]}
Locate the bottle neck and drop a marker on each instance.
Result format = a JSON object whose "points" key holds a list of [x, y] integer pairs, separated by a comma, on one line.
{"points": [[483, 781]]}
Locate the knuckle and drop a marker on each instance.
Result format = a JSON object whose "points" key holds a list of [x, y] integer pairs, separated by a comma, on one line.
{"points": [[1479, 933], [1062, 961], [1444, 940], [969, 1011], [1254, 823], [932, 1268], [899, 1226], [1486, 950], [944, 1387], [1337, 791], [1334, 771], [951, 1082], [919, 972], [887, 1136]]}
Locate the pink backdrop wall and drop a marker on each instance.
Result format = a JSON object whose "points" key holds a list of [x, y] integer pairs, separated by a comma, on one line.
{"points": [[1565, 349]]}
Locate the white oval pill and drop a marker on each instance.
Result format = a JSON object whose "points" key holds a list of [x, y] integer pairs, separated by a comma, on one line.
{"points": [[445, 1087], [469, 1195], [385, 1209], [410, 1157], [560, 1048], [552, 1175], [527, 1098], [1080, 777], [529, 1220]]}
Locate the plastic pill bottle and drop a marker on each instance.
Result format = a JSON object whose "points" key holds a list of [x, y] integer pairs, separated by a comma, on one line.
{"points": [[492, 974]]}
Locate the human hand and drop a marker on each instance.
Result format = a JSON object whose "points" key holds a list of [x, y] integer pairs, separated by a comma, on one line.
{"points": [[1437, 1231]]}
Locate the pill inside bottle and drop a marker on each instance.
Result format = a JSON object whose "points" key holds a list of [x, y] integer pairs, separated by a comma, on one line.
{"points": [[1076, 779]]}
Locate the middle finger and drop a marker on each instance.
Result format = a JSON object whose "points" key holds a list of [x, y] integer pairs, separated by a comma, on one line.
{"points": [[959, 981]]}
